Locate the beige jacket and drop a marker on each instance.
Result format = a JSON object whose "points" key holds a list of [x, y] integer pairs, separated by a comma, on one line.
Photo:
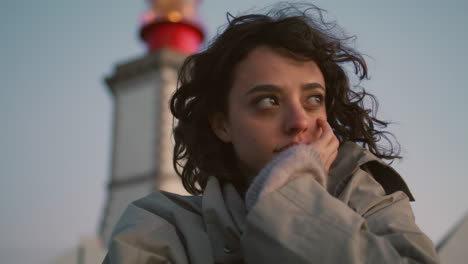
{"points": [[363, 216]]}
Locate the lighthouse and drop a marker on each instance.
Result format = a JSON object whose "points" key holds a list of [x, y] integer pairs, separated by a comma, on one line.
{"points": [[142, 123], [172, 24]]}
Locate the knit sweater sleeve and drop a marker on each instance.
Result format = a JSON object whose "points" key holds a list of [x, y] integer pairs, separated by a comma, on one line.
{"points": [[277, 172]]}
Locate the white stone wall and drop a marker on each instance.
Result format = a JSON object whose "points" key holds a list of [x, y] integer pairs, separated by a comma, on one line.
{"points": [[89, 251], [137, 133], [168, 86], [168, 181]]}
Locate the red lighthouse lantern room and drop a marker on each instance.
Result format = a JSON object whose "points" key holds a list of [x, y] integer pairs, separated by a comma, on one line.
{"points": [[172, 24]]}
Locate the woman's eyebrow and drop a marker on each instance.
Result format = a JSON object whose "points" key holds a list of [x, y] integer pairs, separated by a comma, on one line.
{"points": [[264, 88], [271, 88], [312, 86]]}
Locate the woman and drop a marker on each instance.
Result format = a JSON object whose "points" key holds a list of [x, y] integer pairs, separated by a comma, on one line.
{"points": [[267, 131]]}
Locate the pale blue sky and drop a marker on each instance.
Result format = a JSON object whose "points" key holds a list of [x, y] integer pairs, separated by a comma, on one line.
{"points": [[56, 112]]}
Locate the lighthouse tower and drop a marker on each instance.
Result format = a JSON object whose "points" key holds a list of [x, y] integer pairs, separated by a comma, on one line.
{"points": [[142, 143]]}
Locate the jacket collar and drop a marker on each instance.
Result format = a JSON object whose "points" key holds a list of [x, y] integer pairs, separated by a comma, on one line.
{"points": [[352, 157], [224, 215]]}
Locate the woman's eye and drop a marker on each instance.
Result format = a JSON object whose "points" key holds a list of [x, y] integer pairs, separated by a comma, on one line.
{"points": [[266, 102], [315, 100]]}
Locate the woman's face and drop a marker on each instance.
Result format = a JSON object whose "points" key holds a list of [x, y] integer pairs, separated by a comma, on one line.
{"points": [[274, 103]]}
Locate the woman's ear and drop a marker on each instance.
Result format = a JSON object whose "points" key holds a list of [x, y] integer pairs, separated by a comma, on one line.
{"points": [[220, 127]]}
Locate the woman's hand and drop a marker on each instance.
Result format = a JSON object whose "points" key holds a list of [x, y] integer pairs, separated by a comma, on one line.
{"points": [[327, 144]]}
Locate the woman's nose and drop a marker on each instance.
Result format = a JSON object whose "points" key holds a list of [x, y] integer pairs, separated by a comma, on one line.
{"points": [[296, 120]]}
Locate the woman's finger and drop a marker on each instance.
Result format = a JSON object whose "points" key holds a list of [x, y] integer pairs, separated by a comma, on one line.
{"points": [[328, 137], [329, 161], [327, 144], [327, 132]]}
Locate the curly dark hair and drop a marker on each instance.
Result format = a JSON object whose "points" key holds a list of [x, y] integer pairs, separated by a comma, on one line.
{"points": [[205, 79]]}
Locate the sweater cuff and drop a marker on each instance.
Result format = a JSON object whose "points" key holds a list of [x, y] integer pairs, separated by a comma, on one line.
{"points": [[296, 161]]}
